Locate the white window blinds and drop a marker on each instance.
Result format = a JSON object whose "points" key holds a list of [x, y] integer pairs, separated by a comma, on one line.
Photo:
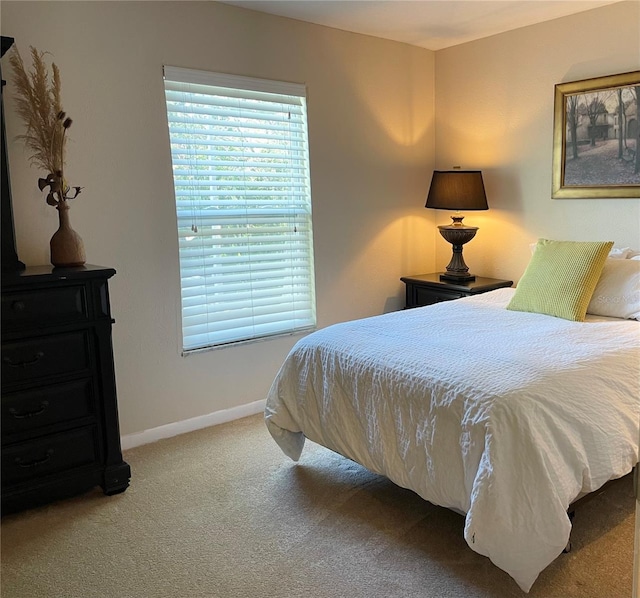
{"points": [[240, 158]]}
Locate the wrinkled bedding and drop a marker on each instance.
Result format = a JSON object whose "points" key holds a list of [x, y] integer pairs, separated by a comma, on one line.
{"points": [[506, 417]]}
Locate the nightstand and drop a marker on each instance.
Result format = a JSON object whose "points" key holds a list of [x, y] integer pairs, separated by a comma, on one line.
{"points": [[426, 289]]}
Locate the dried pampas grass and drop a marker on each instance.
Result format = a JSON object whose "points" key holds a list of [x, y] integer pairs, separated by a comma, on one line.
{"points": [[40, 107]]}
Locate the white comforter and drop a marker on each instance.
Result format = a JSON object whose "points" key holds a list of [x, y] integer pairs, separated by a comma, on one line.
{"points": [[505, 416]]}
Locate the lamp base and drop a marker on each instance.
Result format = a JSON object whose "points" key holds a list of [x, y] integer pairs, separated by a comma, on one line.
{"points": [[452, 277], [457, 234]]}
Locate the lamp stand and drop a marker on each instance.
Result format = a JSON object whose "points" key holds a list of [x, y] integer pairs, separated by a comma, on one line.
{"points": [[457, 234]]}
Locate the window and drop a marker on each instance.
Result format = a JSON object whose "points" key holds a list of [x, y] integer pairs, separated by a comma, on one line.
{"points": [[240, 157]]}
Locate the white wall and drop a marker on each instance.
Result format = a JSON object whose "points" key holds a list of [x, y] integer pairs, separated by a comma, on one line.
{"points": [[371, 112], [494, 111]]}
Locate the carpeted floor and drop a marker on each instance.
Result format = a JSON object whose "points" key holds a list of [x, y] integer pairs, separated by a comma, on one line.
{"points": [[222, 513]]}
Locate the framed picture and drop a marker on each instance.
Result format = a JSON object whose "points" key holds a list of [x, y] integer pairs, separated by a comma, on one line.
{"points": [[596, 138]]}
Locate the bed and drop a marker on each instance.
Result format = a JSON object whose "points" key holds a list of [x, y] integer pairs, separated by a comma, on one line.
{"points": [[504, 416]]}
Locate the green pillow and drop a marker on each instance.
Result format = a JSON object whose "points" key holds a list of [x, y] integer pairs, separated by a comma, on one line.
{"points": [[561, 278]]}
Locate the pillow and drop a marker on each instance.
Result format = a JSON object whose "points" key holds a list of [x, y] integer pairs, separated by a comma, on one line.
{"points": [[616, 253], [617, 293], [561, 278], [619, 253]]}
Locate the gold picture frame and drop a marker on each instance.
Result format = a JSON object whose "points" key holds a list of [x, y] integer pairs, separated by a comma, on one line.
{"points": [[591, 159]]}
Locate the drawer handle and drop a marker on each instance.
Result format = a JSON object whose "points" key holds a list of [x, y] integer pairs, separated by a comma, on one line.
{"points": [[18, 306], [25, 414], [20, 463], [23, 364]]}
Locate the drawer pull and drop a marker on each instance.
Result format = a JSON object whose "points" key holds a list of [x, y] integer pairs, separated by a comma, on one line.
{"points": [[17, 306], [25, 414], [23, 364], [20, 463]]}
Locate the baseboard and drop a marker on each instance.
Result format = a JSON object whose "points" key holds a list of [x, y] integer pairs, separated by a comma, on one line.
{"points": [[189, 425]]}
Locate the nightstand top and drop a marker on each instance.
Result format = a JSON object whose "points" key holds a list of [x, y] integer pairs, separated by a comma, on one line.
{"points": [[479, 285]]}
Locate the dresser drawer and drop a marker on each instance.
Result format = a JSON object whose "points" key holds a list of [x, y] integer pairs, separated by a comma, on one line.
{"points": [[38, 357], [33, 308], [32, 410], [49, 454]]}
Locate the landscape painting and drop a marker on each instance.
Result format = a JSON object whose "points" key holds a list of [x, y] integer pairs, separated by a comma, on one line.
{"points": [[597, 138]]}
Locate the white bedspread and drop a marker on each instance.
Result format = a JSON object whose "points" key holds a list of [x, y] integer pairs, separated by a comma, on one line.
{"points": [[505, 416]]}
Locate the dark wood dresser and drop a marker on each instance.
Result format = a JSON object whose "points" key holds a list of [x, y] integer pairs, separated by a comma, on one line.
{"points": [[60, 431]]}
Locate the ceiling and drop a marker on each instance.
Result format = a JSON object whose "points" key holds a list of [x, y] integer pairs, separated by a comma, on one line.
{"points": [[431, 24]]}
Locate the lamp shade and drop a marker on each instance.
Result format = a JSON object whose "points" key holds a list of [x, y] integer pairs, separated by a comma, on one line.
{"points": [[457, 190]]}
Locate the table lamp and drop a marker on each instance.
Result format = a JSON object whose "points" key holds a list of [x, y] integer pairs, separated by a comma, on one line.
{"points": [[457, 190]]}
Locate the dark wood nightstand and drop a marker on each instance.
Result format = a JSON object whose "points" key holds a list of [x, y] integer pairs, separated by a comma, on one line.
{"points": [[426, 289]]}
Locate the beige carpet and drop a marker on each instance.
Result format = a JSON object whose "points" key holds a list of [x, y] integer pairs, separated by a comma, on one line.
{"points": [[223, 513]]}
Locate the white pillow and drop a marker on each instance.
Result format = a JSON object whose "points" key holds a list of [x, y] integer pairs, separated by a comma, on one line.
{"points": [[618, 253], [617, 294]]}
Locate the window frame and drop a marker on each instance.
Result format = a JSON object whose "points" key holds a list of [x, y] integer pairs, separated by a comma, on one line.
{"points": [[282, 226]]}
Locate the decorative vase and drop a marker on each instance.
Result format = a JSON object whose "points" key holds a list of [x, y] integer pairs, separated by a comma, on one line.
{"points": [[67, 247]]}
